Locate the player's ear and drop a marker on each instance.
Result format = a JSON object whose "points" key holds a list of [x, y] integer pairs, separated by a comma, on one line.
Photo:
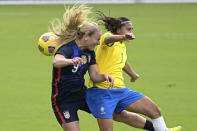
{"points": [[118, 31]]}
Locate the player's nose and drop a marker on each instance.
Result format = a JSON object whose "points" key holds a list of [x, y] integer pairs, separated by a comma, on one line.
{"points": [[133, 36]]}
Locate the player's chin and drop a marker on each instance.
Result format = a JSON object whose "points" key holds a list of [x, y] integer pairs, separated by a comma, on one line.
{"points": [[91, 49]]}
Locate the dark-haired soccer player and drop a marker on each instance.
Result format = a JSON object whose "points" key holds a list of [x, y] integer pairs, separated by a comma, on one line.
{"points": [[112, 59]]}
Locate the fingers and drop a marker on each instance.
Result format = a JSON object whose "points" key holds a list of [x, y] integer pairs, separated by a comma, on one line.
{"points": [[134, 78], [77, 61], [111, 83], [111, 80], [130, 36], [133, 36]]}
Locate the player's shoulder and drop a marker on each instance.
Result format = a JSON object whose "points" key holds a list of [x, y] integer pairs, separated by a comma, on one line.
{"points": [[67, 46], [103, 37], [66, 49], [106, 34]]}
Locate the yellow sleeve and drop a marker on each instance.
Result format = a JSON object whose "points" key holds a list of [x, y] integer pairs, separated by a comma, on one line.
{"points": [[102, 40]]}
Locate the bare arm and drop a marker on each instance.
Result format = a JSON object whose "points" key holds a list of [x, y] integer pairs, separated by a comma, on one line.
{"points": [[129, 70], [97, 77], [115, 38], [60, 61]]}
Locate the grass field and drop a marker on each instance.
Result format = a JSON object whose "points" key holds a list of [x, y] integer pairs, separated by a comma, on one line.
{"points": [[164, 54]]}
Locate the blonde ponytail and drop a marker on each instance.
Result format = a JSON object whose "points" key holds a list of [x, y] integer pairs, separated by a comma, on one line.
{"points": [[75, 20]]}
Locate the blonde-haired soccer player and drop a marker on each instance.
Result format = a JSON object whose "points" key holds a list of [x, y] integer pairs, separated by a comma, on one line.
{"points": [[112, 59], [78, 36]]}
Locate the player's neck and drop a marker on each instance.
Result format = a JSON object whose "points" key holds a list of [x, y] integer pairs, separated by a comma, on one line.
{"points": [[80, 44]]}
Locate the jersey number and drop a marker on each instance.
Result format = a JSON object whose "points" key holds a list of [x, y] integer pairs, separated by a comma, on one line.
{"points": [[75, 68]]}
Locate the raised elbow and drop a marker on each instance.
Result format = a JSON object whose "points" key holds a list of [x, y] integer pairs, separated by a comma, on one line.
{"points": [[55, 64]]}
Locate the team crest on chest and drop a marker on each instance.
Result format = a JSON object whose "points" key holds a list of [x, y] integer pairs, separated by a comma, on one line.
{"points": [[84, 58]]}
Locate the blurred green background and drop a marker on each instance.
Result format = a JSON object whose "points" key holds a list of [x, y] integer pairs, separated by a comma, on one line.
{"points": [[164, 53]]}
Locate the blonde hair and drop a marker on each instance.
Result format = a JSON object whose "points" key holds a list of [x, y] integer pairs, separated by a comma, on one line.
{"points": [[75, 24]]}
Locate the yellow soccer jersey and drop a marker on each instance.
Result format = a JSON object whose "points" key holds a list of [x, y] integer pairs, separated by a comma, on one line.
{"points": [[110, 59]]}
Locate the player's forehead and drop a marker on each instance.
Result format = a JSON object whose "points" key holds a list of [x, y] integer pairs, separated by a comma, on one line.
{"points": [[128, 25], [97, 33]]}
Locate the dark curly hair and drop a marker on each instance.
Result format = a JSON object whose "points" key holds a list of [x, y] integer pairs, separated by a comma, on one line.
{"points": [[111, 23]]}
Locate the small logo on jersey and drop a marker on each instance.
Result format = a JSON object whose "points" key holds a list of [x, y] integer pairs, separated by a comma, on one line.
{"points": [[89, 58], [102, 109], [84, 58], [66, 114]]}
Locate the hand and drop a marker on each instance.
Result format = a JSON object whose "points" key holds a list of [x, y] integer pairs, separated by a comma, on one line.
{"points": [[109, 79], [77, 61], [129, 36], [134, 77]]}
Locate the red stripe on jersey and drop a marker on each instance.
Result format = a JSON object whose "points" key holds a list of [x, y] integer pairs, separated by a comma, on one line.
{"points": [[56, 93]]}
